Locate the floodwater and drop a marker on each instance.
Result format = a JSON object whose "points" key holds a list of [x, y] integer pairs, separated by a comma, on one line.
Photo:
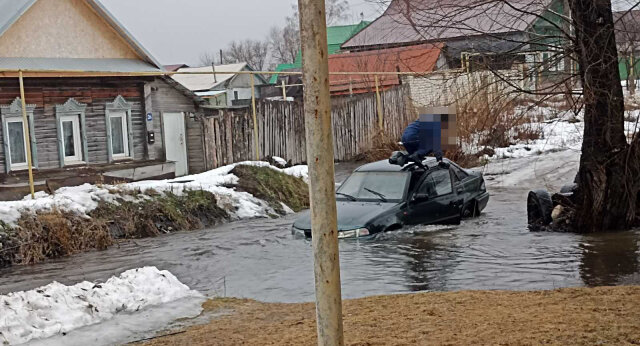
{"points": [[260, 259]]}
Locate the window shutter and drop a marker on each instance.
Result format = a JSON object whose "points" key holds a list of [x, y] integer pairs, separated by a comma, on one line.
{"points": [[130, 134], [109, 148], [59, 133], [5, 139]]}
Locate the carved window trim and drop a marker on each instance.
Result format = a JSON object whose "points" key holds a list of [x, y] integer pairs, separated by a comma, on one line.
{"points": [[119, 104], [72, 108], [10, 113]]}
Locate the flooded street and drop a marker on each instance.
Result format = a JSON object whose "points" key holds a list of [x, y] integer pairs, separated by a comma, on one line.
{"points": [[260, 259]]}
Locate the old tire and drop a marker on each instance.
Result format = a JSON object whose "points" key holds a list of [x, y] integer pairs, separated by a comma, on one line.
{"points": [[539, 208]]}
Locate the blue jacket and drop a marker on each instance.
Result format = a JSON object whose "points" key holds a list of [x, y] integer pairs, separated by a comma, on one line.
{"points": [[423, 138]]}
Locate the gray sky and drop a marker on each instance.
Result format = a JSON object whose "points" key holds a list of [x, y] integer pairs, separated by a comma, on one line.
{"points": [[179, 31]]}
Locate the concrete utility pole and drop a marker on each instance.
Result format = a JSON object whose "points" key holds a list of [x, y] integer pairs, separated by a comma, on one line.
{"points": [[324, 225]]}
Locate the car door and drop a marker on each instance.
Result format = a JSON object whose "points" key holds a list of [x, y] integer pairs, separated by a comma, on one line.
{"points": [[434, 200], [461, 183]]}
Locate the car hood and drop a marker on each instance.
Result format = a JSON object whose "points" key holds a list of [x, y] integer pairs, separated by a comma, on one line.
{"points": [[351, 215]]}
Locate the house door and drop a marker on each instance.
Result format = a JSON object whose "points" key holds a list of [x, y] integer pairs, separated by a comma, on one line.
{"points": [[175, 141]]}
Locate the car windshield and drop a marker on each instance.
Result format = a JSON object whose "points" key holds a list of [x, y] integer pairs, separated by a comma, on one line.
{"points": [[383, 186]]}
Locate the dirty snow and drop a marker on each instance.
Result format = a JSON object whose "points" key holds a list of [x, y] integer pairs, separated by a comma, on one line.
{"points": [[550, 161], [563, 132], [282, 162], [85, 198], [556, 135], [57, 309]]}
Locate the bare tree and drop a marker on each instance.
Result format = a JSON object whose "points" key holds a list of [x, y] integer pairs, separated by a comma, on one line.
{"points": [[252, 52], [627, 26], [337, 11], [608, 183], [285, 41], [208, 59]]}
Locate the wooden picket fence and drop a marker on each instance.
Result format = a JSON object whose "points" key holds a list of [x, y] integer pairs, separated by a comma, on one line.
{"points": [[228, 137]]}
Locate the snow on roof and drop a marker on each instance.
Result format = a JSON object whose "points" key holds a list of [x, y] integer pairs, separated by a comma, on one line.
{"points": [[203, 82]]}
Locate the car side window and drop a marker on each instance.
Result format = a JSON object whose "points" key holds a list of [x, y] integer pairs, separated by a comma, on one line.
{"points": [[460, 174], [436, 184]]}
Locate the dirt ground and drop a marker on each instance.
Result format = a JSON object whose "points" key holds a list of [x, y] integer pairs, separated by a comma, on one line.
{"points": [[605, 315]]}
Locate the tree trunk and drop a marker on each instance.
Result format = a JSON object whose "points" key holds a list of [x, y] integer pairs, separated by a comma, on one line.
{"points": [[607, 193]]}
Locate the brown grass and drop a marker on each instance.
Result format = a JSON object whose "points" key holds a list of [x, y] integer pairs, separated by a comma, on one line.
{"points": [[55, 234], [381, 147], [489, 117], [575, 316], [273, 186]]}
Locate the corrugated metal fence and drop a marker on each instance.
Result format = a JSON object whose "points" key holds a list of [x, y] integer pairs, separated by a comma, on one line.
{"points": [[228, 138]]}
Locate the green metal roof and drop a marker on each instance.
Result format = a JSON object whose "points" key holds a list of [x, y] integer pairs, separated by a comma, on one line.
{"points": [[336, 36], [341, 33], [280, 68]]}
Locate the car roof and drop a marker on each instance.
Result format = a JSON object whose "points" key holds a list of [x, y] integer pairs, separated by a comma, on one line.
{"points": [[385, 166]]}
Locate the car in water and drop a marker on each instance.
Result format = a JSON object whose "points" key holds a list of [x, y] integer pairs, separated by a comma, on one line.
{"points": [[381, 197]]}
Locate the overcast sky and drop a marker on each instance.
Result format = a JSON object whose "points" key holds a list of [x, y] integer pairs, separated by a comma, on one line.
{"points": [[180, 31]]}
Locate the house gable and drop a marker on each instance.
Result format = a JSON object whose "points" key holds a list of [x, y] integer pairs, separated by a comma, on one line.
{"points": [[63, 29]]}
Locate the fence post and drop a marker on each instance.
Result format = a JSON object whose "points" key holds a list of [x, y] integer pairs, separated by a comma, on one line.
{"points": [[379, 105], [27, 135], [284, 90], [255, 118], [320, 154]]}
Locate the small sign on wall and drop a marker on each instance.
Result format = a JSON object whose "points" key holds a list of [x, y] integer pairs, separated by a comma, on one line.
{"points": [[149, 116]]}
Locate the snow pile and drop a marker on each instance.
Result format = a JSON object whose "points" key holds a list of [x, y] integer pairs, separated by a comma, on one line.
{"points": [[561, 133], [282, 162], [85, 198], [556, 135], [57, 309]]}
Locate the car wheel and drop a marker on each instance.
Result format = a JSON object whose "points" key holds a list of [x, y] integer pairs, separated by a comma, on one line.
{"points": [[539, 208], [470, 210]]}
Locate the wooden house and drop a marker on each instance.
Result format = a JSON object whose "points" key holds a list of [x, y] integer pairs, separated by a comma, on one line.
{"points": [[98, 106], [227, 88]]}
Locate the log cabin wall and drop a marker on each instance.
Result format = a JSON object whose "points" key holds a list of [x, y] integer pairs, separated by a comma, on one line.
{"points": [[46, 93]]}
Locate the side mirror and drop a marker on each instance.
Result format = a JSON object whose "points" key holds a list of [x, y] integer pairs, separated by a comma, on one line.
{"points": [[419, 197]]}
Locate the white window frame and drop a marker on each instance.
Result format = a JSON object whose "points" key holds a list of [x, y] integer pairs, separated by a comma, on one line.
{"points": [[13, 113], [115, 108], [74, 111], [125, 129], [77, 139], [17, 166]]}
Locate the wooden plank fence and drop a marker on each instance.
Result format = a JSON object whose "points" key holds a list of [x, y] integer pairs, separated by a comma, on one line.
{"points": [[228, 137]]}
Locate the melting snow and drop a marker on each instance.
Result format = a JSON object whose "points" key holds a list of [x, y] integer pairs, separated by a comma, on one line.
{"points": [[58, 309], [83, 199], [282, 162]]}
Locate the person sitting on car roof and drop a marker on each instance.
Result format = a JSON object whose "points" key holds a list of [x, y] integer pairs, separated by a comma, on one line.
{"points": [[422, 138]]}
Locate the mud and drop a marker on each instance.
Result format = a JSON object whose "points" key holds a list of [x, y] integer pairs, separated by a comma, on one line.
{"points": [[578, 316]]}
